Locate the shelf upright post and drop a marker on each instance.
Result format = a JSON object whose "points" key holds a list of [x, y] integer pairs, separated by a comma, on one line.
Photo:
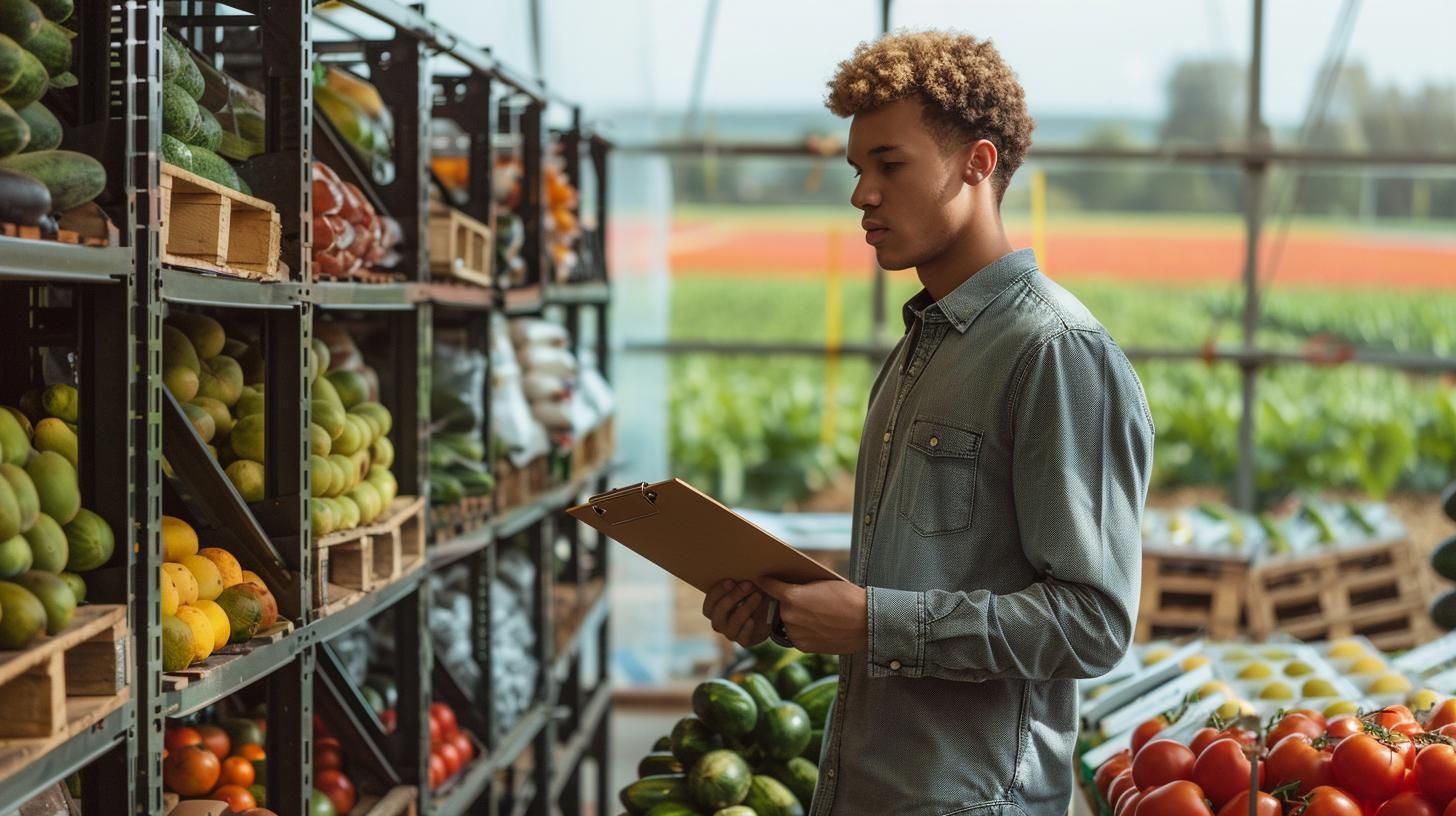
{"points": [[290, 735], [400, 69], [414, 658], [541, 537], [531, 205]]}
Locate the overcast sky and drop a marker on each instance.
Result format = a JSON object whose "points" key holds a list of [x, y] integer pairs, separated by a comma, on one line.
{"points": [[1074, 56]]}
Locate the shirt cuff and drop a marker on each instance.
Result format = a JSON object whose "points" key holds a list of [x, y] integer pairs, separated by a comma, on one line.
{"points": [[896, 632]]}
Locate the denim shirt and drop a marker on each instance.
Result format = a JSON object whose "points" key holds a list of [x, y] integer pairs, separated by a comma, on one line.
{"points": [[998, 500]]}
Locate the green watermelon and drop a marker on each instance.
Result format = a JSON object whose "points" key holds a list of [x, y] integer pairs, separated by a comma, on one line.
{"points": [[793, 679], [799, 775], [817, 697], [768, 797], [658, 763], [719, 779], [691, 738], [642, 795], [725, 707], [783, 731], [761, 690]]}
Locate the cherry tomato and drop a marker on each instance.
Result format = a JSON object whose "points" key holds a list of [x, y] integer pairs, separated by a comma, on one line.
{"points": [[1180, 798], [1122, 783], [1328, 801], [1391, 716], [1408, 804], [1296, 759], [1222, 771], [1368, 768], [1161, 762], [1345, 725], [1435, 773], [1312, 714], [1108, 770], [1145, 732], [1293, 723], [1445, 714], [1239, 806]]}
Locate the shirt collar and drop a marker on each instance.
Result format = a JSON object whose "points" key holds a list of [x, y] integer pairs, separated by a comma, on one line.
{"points": [[966, 302]]}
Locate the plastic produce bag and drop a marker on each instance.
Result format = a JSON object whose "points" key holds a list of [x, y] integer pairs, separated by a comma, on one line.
{"points": [[529, 331], [457, 395]]}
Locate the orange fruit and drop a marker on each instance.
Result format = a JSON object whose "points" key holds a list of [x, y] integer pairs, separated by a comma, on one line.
{"points": [[251, 751], [191, 770], [238, 771], [238, 798], [215, 740], [180, 736]]}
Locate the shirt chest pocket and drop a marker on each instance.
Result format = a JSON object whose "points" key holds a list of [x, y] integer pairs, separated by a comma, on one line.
{"points": [[938, 485]]}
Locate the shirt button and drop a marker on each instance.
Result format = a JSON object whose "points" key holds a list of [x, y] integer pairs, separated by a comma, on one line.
{"points": [[887, 437], [830, 772], [869, 517], [934, 440], [894, 665]]}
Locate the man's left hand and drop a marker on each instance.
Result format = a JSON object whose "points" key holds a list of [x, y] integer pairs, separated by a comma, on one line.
{"points": [[824, 617]]}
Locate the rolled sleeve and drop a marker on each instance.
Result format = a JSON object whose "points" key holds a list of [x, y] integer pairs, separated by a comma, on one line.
{"points": [[897, 629]]}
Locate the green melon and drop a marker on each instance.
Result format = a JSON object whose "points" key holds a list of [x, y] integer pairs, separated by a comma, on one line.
{"points": [[244, 607], [177, 646], [320, 443], [49, 548], [10, 515], [22, 616], [351, 387], [77, 585], [15, 556], [55, 482], [720, 779], [26, 499], [54, 595], [90, 540], [14, 440]]}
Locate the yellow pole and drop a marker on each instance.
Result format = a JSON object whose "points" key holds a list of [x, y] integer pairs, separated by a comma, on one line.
{"points": [[1038, 216], [833, 338]]}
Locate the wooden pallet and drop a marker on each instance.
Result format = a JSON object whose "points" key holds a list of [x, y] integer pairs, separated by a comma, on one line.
{"points": [[1376, 590], [399, 801], [64, 678], [459, 518], [460, 246], [350, 563], [1184, 593], [210, 227], [172, 681]]}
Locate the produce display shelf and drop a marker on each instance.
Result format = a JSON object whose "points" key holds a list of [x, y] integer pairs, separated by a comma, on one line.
{"points": [[229, 677], [23, 776], [568, 294], [569, 756], [525, 301], [202, 289], [364, 296], [456, 296], [397, 802], [524, 798], [588, 627], [28, 260], [461, 546], [461, 796], [372, 603]]}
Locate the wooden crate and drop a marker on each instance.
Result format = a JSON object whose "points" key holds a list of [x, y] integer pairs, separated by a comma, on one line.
{"points": [[593, 449], [64, 683], [460, 246], [459, 518], [398, 539], [516, 487], [343, 564], [1184, 593], [207, 226], [1376, 590], [349, 563], [397, 802]]}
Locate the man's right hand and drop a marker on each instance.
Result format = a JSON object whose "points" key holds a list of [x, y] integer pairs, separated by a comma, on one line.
{"points": [[739, 612]]}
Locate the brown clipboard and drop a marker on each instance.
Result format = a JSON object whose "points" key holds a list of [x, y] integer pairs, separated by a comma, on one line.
{"points": [[691, 535]]}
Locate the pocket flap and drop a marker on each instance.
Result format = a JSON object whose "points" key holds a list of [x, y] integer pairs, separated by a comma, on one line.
{"points": [[941, 439]]}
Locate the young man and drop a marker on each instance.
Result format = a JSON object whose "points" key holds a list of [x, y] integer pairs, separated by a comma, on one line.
{"points": [[1001, 477]]}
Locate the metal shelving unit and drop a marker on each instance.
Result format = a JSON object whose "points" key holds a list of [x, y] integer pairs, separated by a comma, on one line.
{"points": [[125, 291]]}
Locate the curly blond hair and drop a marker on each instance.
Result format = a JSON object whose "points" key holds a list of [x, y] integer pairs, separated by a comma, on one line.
{"points": [[968, 91]]}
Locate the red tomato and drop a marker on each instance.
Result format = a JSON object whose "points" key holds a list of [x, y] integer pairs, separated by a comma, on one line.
{"points": [[1368, 768], [1145, 732], [1239, 806], [1293, 724], [1448, 730], [1122, 783], [338, 788], [1127, 805], [1312, 714], [1404, 711], [1180, 798], [446, 716], [328, 758], [1161, 762], [1327, 801], [451, 756], [320, 728], [181, 735], [1203, 738], [1435, 773], [1391, 716], [437, 770], [1296, 759], [1222, 771], [435, 734], [1445, 714], [390, 720], [1345, 725], [1109, 769], [1410, 729], [463, 744], [1450, 809], [1407, 803]]}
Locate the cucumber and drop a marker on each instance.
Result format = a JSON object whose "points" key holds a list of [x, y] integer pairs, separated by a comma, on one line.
{"points": [[14, 131], [31, 83], [19, 19], [174, 151], [209, 134], [179, 113], [211, 166], [57, 11], [642, 795], [658, 763], [12, 63], [45, 128], [23, 200], [52, 46], [72, 178]]}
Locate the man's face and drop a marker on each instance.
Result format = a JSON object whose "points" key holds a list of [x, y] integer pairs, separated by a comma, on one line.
{"points": [[910, 189]]}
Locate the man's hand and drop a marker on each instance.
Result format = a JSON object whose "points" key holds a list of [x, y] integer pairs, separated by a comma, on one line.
{"points": [[826, 617], [738, 611]]}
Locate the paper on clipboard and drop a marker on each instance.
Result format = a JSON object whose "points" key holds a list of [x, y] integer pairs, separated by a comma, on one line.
{"points": [[693, 536]]}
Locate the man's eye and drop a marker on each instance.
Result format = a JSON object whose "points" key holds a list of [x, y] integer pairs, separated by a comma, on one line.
{"points": [[890, 167]]}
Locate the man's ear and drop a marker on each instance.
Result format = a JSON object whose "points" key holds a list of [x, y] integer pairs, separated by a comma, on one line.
{"points": [[980, 159]]}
